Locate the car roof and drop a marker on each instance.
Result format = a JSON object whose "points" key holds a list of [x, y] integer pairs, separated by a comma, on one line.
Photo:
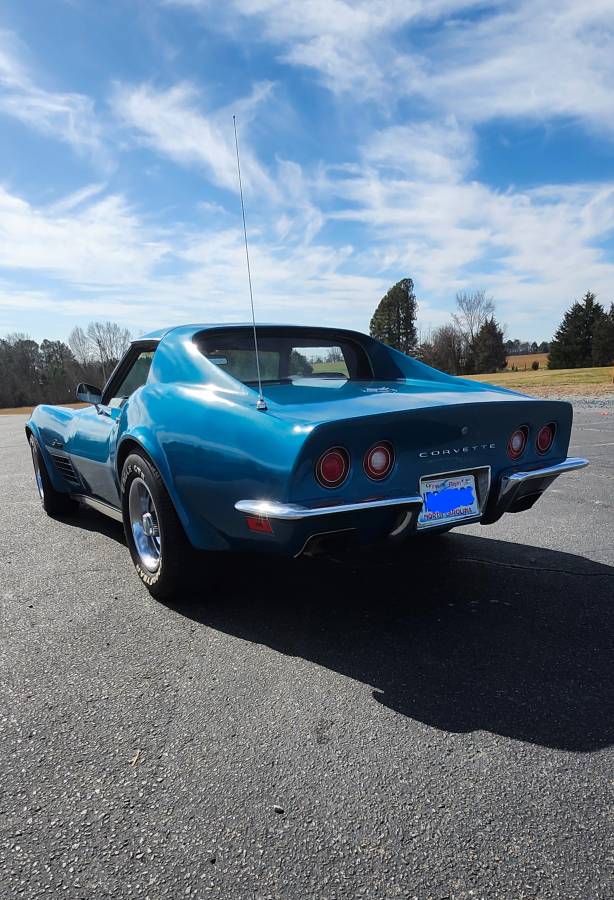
{"points": [[161, 333]]}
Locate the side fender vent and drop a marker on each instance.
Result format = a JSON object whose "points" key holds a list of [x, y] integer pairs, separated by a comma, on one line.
{"points": [[66, 469]]}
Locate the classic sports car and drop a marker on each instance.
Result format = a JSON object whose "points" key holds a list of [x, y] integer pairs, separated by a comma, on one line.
{"points": [[351, 439]]}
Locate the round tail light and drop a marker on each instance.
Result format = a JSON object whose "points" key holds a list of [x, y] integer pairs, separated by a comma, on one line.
{"points": [[545, 437], [517, 442], [332, 467], [379, 460]]}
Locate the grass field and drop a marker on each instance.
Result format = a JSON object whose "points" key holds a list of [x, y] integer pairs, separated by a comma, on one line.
{"points": [[330, 367], [526, 360], [25, 410], [580, 381]]}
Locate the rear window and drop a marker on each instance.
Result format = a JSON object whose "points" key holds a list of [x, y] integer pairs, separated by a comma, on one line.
{"points": [[284, 356]]}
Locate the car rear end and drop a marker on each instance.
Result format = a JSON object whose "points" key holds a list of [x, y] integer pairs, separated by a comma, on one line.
{"points": [[427, 468]]}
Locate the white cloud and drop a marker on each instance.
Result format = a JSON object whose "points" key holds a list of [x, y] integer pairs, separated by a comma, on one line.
{"points": [[430, 150], [535, 250], [102, 243], [530, 59], [98, 257], [173, 123], [527, 58], [66, 116], [407, 193]]}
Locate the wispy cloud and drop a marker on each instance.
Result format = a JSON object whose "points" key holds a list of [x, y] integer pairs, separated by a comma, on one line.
{"points": [[102, 249], [67, 116], [173, 123], [403, 194], [529, 247], [96, 243], [528, 58]]}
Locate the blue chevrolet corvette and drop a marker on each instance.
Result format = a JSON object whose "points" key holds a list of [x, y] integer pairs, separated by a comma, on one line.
{"points": [[351, 440]]}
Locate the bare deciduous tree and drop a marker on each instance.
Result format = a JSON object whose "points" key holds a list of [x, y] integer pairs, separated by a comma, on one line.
{"points": [[474, 308], [80, 345], [110, 341]]}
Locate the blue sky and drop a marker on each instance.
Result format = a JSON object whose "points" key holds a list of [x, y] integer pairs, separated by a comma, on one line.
{"points": [[465, 144]]}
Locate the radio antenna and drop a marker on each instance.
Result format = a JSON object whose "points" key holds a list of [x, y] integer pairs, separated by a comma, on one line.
{"points": [[261, 402]]}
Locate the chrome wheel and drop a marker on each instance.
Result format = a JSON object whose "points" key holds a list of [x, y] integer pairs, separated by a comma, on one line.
{"points": [[144, 524], [37, 470]]}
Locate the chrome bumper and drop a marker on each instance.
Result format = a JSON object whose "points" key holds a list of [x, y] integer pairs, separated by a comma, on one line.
{"points": [[292, 512], [518, 491], [513, 488], [511, 483]]}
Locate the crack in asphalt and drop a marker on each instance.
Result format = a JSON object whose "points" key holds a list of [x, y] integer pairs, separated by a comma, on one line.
{"points": [[503, 565]]}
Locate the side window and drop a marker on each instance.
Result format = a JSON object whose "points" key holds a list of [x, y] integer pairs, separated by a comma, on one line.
{"points": [[135, 378]]}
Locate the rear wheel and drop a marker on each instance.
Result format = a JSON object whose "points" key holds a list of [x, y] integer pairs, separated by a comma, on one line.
{"points": [[55, 503], [161, 553]]}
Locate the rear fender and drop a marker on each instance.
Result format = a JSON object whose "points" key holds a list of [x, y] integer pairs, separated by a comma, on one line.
{"points": [[201, 534]]}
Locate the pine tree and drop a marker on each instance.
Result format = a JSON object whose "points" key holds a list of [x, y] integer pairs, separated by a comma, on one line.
{"points": [[572, 347], [488, 348], [394, 320], [603, 339]]}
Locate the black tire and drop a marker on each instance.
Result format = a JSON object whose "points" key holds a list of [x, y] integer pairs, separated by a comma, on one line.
{"points": [[164, 562], [55, 503]]}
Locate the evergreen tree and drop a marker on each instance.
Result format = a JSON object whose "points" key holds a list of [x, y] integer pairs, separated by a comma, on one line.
{"points": [[394, 320], [488, 348], [572, 347], [603, 339]]}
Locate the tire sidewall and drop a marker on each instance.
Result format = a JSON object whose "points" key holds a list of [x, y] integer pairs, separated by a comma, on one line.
{"points": [[54, 502], [137, 466], [42, 468]]}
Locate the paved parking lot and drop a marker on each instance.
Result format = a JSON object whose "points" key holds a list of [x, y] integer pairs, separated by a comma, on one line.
{"points": [[438, 725]]}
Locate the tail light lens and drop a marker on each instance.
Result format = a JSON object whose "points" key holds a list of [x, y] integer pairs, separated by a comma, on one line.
{"points": [[517, 442], [545, 437], [332, 467], [379, 461]]}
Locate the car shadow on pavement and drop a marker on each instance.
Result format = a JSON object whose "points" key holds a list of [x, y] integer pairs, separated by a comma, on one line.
{"points": [[458, 632], [89, 520]]}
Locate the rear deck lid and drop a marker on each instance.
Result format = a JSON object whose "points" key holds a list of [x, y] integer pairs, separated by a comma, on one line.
{"points": [[316, 401]]}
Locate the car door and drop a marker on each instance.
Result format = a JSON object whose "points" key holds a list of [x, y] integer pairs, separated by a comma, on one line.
{"points": [[92, 445]]}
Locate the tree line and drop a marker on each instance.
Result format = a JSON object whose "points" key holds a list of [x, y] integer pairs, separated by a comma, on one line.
{"points": [[473, 341], [585, 337], [48, 372]]}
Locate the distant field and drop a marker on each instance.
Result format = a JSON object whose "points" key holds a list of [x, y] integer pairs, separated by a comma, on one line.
{"points": [[526, 360], [330, 367], [581, 381], [11, 411]]}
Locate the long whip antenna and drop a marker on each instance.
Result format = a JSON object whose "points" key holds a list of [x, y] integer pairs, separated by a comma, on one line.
{"points": [[261, 402]]}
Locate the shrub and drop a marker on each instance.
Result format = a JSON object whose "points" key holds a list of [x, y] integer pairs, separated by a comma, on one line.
{"points": [[535, 365]]}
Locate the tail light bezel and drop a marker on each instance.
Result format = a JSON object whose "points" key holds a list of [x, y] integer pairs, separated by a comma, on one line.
{"points": [[513, 454], [552, 427], [387, 447], [325, 482]]}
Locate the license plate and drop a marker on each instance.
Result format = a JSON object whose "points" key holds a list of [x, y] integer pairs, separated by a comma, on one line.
{"points": [[447, 499]]}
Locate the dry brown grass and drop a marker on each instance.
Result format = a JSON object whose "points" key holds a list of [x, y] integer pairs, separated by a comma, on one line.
{"points": [[545, 382], [25, 410], [525, 361]]}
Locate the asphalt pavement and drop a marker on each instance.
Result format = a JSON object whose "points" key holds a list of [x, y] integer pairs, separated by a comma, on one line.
{"points": [[437, 725]]}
